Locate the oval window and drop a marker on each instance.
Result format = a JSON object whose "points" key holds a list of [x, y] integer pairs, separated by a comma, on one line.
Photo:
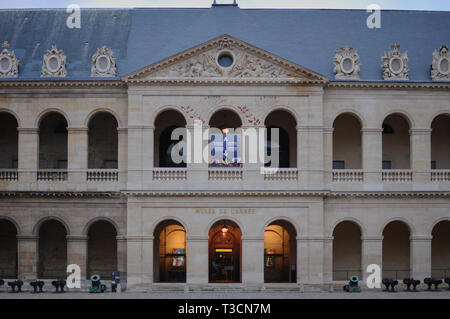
{"points": [[225, 60]]}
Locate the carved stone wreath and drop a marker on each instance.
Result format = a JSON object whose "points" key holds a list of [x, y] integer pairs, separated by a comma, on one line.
{"points": [[346, 64], [395, 64], [440, 68], [9, 65], [54, 64], [103, 63]]}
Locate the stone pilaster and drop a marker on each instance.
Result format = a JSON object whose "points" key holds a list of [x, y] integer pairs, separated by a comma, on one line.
{"points": [[77, 252], [139, 262], [372, 157], [197, 166], [122, 259], [122, 165], [328, 262], [77, 154], [253, 261], [197, 263], [420, 155], [420, 256], [310, 156], [28, 157], [328, 153], [372, 253], [27, 256]]}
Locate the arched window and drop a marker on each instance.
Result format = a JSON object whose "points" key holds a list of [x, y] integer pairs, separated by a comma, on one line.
{"points": [[8, 249], [170, 252], [280, 252], [346, 251], [225, 136], [169, 152], [103, 142], [440, 250], [347, 142], [440, 142], [52, 249], [396, 250], [286, 143], [8, 141], [102, 249], [53, 142], [396, 143]]}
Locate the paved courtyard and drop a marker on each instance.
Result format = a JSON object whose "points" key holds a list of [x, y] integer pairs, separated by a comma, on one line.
{"points": [[376, 294]]}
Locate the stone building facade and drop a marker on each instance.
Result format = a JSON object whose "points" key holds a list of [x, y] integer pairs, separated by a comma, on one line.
{"points": [[85, 177]]}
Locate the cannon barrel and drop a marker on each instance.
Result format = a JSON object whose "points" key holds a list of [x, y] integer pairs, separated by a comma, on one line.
{"points": [[2, 282], [411, 282], [14, 284], [59, 285], [389, 282], [37, 284], [432, 281], [96, 284], [446, 280], [353, 285]]}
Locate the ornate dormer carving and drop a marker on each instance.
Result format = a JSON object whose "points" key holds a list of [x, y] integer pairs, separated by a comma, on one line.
{"points": [[103, 63], [9, 65], [395, 64], [440, 68], [346, 64], [54, 64]]}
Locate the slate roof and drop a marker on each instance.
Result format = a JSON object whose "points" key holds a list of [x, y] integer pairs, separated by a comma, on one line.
{"points": [[140, 37]]}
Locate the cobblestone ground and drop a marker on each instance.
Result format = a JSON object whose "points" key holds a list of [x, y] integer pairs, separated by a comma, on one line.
{"points": [[377, 294]]}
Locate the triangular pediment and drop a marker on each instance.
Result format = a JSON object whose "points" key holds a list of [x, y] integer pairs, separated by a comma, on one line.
{"points": [[249, 65]]}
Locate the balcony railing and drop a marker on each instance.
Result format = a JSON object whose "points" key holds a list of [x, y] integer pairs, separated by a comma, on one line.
{"points": [[347, 175], [281, 174], [225, 174], [440, 175], [397, 175], [169, 174], [102, 175], [9, 175], [53, 175]]}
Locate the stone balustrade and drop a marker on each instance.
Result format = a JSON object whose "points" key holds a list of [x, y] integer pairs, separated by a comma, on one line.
{"points": [[9, 175], [397, 175], [169, 174], [281, 174], [225, 174], [52, 175], [102, 175], [347, 175]]}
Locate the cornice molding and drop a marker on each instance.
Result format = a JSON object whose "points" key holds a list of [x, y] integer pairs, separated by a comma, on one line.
{"points": [[43, 84], [388, 85], [147, 193]]}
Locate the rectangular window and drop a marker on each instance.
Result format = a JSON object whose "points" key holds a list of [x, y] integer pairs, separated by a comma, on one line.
{"points": [[338, 164], [387, 165], [14, 164], [110, 164], [62, 164], [433, 164]]}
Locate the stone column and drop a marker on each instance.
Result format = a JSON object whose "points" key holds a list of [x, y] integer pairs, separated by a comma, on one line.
{"points": [[122, 165], [420, 155], [420, 259], [197, 264], [328, 154], [372, 157], [28, 157], [122, 259], [253, 262], [135, 178], [372, 253], [77, 155], [27, 256], [147, 155], [77, 253]]}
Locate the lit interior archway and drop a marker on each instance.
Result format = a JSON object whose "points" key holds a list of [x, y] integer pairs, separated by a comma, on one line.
{"points": [[225, 252], [280, 252], [170, 252]]}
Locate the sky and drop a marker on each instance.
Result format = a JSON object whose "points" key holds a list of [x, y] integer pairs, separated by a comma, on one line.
{"points": [[441, 5]]}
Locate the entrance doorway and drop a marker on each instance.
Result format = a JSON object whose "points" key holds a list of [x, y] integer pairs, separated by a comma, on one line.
{"points": [[225, 252]]}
